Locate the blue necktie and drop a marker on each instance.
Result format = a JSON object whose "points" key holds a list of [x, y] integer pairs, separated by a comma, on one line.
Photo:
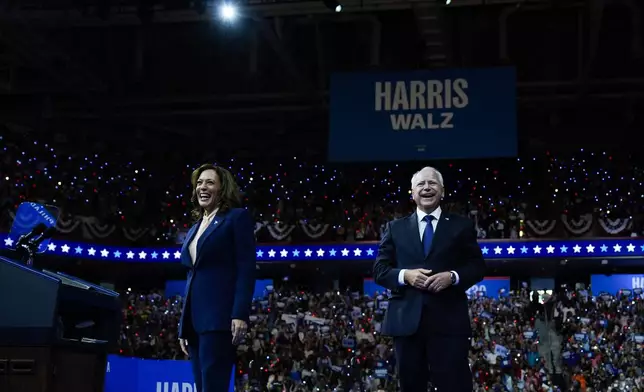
{"points": [[428, 235]]}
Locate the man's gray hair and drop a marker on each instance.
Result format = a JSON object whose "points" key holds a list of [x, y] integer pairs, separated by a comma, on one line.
{"points": [[439, 176]]}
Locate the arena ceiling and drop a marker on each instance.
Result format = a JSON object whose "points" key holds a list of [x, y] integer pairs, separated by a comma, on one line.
{"points": [[172, 66]]}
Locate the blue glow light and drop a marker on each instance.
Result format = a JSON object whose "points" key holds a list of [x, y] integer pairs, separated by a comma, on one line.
{"points": [[491, 249]]}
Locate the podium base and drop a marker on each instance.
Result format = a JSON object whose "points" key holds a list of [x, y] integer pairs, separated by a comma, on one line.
{"points": [[51, 369]]}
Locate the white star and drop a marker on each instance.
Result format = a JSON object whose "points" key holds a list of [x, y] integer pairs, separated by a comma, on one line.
{"points": [[65, 248], [563, 249], [260, 253], [357, 252], [296, 253], [117, 254], [154, 255], [550, 249], [284, 253], [308, 253], [165, 254], [91, 251], [497, 250], [104, 253], [332, 252], [590, 248], [271, 253], [8, 242], [51, 246], [142, 255], [630, 247], [524, 249], [511, 250], [78, 250], [603, 248], [537, 249], [576, 249], [345, 252], [130, 254], [617, 248], [177, 255], [485, 250], [320, 252], [369, 252]]}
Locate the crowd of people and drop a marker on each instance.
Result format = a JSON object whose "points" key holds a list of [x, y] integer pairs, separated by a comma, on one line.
{"points": [[154, 190], [300, 341]]}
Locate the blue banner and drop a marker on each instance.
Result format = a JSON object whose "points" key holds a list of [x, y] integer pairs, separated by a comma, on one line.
{"points": [[147, 375], [423, 115], [178, 287], [614, 283], [489, 287]]}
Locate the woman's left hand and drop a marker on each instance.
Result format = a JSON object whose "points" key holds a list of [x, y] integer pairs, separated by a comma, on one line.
{"points": [[238, 328]]}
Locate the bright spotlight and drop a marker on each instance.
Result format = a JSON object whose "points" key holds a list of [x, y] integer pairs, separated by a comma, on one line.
{"points": [[338, 8], [227, 12]]}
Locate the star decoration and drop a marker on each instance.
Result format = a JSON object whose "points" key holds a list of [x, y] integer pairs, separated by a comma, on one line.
{"points": [[308, 253], [104, 253], [8, 242], [91, 251], [65, 248], [52, 247], [130, 254], [283, 253], [271, 253]]}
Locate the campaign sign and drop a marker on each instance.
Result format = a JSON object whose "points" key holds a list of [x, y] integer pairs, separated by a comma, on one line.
{"points": [[370, 288], [31, 215], [614, 283], [178, 287], [489, 287], [148, 375], [423, 115]]}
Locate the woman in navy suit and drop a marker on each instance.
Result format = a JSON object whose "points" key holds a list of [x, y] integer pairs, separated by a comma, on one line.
{"points": [[219, 252]]}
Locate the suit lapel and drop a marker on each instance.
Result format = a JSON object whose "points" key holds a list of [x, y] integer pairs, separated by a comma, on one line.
{"points": [[185, 255], [414, 234], [212, 227], [443, 228]]}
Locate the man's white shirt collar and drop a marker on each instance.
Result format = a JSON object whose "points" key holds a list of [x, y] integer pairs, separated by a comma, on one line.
{"points": [[421, 214]]}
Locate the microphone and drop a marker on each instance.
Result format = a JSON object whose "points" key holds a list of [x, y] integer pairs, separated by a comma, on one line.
{"points": [[47, 233], [36, 231]]}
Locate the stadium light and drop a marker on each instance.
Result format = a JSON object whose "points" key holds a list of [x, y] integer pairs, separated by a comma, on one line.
{"points": [[227, 12], [333, 5]]}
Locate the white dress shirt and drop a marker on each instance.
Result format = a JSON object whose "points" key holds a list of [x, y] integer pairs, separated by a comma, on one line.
{"points": [[205, 222], [420, 215]]}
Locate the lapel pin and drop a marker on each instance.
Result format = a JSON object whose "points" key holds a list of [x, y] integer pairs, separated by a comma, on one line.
{"points": [[216, 222], [446, 218]]}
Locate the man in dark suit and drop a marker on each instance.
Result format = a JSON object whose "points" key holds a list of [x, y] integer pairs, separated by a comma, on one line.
{"points": [[428, 260]]}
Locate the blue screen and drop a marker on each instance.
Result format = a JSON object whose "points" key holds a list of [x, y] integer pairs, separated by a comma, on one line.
{"points": [[423, 115]]}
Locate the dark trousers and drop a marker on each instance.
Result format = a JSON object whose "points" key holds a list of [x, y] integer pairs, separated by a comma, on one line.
{"points": [[212, 355], [428, 356]]}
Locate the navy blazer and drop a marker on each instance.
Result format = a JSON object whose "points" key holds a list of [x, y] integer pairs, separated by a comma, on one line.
{"points": [[454, 248], [221, 282]]}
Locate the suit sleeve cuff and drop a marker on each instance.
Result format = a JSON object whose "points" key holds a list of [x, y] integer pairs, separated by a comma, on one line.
{"points": [[458, 279], [401, 277]]}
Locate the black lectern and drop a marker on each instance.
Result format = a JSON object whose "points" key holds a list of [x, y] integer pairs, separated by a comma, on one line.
{"points": [[55, 331]]}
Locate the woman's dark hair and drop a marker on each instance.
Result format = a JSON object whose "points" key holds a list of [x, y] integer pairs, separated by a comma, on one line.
{"points": [[229, 195]]}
